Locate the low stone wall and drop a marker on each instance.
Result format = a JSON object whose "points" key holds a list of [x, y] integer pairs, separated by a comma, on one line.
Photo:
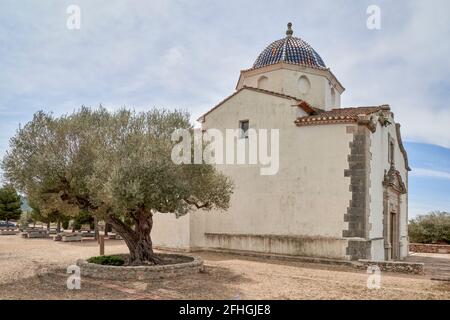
{"points": [[139, 272], [320, 247], [393, 266], [429, 248]]}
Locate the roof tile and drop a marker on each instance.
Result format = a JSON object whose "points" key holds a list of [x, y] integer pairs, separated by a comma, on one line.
{"points": [[338, 115]]}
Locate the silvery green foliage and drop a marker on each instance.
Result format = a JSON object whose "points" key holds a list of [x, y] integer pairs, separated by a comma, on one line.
{"points": [[433, 227], [111, 164]]}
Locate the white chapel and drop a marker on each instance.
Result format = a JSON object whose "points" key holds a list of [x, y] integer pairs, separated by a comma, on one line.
{"points": [[341, 190]]}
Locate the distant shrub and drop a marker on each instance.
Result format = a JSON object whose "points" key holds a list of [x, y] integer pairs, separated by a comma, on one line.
{"points": [[25, 220], [107, 260], [65, 224], [83, 218], [430, 228]]}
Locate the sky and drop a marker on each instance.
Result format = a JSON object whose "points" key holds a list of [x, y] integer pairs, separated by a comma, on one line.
{"points": [[188, 54]]}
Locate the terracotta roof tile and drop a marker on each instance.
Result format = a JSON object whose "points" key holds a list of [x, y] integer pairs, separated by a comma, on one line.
{"points": [[340, 115]]}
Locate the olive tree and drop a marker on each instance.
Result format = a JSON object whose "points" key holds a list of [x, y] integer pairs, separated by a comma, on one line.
{"points": [[116, 166]]}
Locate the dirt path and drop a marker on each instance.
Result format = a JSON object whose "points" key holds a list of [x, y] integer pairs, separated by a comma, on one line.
{"points": [[36, 269], [437, 266]]}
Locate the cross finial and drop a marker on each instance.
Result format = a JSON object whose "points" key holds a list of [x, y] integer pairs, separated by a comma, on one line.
{"points": [[289, 31]]}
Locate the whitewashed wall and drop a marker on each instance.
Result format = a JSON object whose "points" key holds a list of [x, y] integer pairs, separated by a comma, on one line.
{"points": [[380, 164], [286, 81], [171, 232], [309, 195]]}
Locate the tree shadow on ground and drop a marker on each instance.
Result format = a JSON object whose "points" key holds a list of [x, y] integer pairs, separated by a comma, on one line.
{"points": [[214, 283], [222, 257]]}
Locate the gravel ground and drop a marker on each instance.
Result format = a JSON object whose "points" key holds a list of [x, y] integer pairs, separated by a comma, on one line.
{"points": [[36, 269]]}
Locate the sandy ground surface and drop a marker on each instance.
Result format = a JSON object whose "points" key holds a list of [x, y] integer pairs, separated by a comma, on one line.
{"points": [[437, 266], [36, 269]]}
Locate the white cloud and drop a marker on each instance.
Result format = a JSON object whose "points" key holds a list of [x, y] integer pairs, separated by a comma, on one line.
{"points": [[429, 173], [172, 53], [405, 64]]}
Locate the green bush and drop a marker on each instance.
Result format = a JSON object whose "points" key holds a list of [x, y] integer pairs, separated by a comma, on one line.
{"points": [[107, 260], [430, 228], [65, 224], [83, 218]]}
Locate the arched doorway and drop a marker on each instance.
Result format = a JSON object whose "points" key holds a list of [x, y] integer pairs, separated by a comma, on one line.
{"points": [[394, 239], [393, 189]]}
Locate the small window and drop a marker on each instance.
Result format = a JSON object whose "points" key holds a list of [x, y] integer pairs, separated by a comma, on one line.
{"points": [[243, 125], [391, 152], [333, 98], [263, 83], [304, 85]]}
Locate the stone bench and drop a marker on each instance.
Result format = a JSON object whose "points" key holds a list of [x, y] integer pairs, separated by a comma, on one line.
{"points": [[114, 236], [37, 234], [71, 237], [8, 232], [7, 228], [33, 229], [87, 234]]}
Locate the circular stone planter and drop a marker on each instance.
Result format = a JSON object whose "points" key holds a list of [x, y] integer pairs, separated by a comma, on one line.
{"points": [[94, 270]]}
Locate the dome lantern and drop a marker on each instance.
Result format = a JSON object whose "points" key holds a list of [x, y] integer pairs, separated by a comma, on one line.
{"points": [[289, 31]]}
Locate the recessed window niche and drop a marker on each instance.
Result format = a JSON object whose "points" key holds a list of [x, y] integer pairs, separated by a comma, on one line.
{"points": [[304, 85]]}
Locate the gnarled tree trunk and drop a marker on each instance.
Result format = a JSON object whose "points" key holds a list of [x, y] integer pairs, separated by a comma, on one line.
{"points": [[138, 240], [96, 233], [106, 229]]}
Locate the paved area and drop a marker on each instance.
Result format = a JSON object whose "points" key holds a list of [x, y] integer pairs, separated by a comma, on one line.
{"points": [[36, 269]]}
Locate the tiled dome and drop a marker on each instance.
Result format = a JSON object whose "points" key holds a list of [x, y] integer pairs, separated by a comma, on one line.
{"points": [[291, 50]]}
